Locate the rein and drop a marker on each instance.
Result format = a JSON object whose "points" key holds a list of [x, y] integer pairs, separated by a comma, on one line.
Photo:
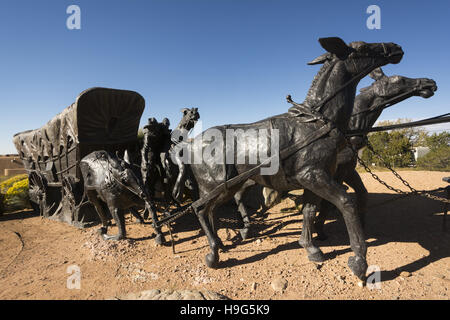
{"points": [[388, 103], [443, 118]]}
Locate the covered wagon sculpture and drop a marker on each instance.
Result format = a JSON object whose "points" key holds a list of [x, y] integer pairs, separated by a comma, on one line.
{"points": [[100, 119]]}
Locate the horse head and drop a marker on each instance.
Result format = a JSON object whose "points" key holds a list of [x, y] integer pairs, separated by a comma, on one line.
{"points": [[385, 91], [389, 87], [345, 65], [122, 169], [190, 118]]}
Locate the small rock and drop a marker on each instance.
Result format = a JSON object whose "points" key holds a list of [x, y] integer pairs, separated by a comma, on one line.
{"points": [[360, 284], [279, 284], [253, 286]]}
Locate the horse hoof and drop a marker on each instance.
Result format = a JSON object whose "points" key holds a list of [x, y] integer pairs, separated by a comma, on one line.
{"points": [[212, 260], [316, 257], [358, 266], [244, 233], [159, 239]]}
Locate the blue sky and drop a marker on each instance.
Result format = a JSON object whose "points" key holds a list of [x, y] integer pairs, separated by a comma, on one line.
{"points": [[233, 59]]}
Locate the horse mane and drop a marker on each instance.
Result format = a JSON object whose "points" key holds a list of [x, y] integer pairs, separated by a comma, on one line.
{"points": [[316, 78]]}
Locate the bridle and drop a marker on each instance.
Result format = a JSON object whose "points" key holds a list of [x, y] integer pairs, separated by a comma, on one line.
{"points": [[316, 111], [390, 102]]}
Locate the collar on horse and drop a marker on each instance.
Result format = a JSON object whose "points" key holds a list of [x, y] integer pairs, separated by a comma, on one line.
{"points": [[315, 112]]}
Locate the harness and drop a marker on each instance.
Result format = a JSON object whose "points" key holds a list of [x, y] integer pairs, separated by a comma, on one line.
{"points": [[390, 102], [311, 113]]}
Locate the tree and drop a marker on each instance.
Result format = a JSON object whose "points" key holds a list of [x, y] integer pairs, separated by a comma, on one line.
{"points": [[394, 147], [439, 156], [415, 135]]}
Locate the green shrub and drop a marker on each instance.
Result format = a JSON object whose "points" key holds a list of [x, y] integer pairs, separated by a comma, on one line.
{"points": [[437, 159], [5, 185], [439, 156], [14, 193]]}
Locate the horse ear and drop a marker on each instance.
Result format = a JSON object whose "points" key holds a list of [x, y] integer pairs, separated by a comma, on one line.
{"points": [[377, 74], [336, 46], [126, 157], [320, 59], [184, 110]]}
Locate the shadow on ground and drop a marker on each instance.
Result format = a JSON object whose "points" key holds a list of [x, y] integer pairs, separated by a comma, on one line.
{"points": [[413, 219]]}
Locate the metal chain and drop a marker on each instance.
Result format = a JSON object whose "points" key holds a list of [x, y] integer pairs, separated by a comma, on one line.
{"points": [[261, 222], [423, 193], [176, 216]]}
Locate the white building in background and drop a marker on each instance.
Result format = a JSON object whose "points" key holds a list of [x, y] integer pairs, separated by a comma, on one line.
{"points": [[419, 152]]}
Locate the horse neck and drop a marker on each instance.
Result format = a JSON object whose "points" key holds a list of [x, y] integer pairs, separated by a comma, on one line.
{"points": [[363, 120], [331, 76], [365, 101], [181, 125]]}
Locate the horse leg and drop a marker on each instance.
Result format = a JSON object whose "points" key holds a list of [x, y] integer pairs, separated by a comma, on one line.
{"points": [[159, 239], [92, 197], [119, 217], [136, 214], [203, 214], [319, 221], [322, 184], [178, 188], [309, 209], [327, 207], [243, 209], [354, 180]]}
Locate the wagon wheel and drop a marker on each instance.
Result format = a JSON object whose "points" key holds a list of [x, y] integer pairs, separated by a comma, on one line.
{"points": [[37, 192]]}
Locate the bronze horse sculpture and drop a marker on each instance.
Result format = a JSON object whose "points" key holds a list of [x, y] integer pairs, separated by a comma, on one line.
{"points": [[384, 89], [383, 92], [111, 184], [310, 137], [114, 184]]}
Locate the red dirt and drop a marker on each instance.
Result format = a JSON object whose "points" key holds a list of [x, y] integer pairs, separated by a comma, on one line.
{"points": [[405, 241]]}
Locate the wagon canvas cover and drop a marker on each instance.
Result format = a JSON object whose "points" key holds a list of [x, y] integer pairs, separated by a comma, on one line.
{"points": [[100, 119]]}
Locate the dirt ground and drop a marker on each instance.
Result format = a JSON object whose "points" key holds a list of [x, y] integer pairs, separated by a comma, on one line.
{"points": [[405, 241]]}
